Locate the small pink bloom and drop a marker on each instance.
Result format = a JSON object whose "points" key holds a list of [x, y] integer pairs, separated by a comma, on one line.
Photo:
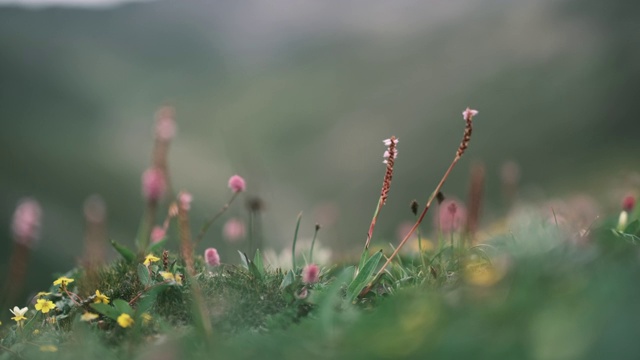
{"points": [[26, 222], [165, 128], [451, 217], [628, 203], [185, 198], [157, 234], [153, 184], [237, 183], [234, 229], [310, 274], [468, 114], [211, 257]]}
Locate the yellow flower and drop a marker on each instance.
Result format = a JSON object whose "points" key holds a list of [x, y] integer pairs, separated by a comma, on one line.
{"points": [[101, 298], [169, 276], [482, 274], [87, 316], [48, 348], [149, 259], [36, 332], [19, 313], [45, 305], [124, 320], [42, 293], [63, 281], [146, 318]]}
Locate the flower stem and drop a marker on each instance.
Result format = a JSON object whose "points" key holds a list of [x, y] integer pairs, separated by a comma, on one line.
{"points": [[313, 243], [295, 240], [215, 217], [464, 144]]}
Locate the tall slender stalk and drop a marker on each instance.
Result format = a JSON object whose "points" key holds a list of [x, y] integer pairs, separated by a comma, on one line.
{"points": [[468, 117], [295, 240], [215, 217], [313, 243], [390, 157], [186, 244]]}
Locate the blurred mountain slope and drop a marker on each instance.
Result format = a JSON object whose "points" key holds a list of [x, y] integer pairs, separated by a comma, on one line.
{"points": [[298, 96]]}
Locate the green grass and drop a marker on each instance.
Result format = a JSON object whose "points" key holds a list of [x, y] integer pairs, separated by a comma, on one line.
{"points": [[530, 295]]}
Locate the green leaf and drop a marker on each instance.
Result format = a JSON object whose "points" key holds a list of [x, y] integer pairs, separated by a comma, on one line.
{"points": [[628, 237], [148, 299], [633, 228], [257, 260], [106, 310], [155, 248], [122, 307], [362, 279], [143, 275], [295, 240], [127, 254], [331, 298], [244, 259], [363, 259], [254, 270], [288, 279]]}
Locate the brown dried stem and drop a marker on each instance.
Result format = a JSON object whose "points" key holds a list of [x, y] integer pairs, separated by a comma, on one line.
{"points": [[186, 246]]}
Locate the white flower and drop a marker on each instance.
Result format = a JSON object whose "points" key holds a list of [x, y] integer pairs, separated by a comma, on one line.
{"points": [[469, 113], [387, 142], [18, 312]]}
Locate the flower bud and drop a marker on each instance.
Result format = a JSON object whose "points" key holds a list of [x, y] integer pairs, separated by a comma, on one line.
{"points": [[26, 222], [211, 257]]}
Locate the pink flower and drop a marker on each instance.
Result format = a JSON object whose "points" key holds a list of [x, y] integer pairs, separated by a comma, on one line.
{"points": [[153, 184], [165, 128], [185, 198], [211, 257], [310, 274], [628, 203], [234, 229], [26, 222], [237, 183], [157, 234], [95, 210], [451, 217], [468, 114], [165, 123]]}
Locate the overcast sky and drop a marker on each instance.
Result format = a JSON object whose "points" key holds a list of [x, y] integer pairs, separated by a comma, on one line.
{"points": [[79, 3]]}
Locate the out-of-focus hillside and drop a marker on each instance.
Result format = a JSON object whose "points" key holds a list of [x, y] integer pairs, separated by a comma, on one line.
{"points": [[297, 97]]}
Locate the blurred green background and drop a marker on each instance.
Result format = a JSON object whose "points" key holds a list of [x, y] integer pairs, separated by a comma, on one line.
{"points": [[296, 97]]}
